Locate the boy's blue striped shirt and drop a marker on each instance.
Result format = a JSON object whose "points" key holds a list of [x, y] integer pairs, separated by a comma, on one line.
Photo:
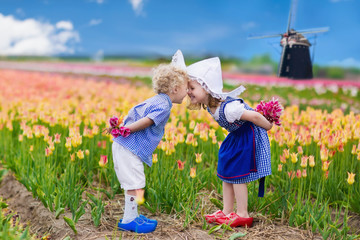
{"points": [[143, 143]]}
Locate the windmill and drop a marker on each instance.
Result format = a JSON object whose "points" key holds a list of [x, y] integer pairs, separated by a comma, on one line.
{"points": [[295, 61]]}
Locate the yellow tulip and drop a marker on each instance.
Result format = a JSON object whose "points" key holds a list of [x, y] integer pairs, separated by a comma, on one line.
{"points": [[325, 166], [324, 154], [293, 157], [353, 151], [80, 154], [311, 161], [193, 172], [213, 140], [351, 178], [198, 157], [192, 125], [286, 153], [282, 159], [68, 142], [155, 158]]}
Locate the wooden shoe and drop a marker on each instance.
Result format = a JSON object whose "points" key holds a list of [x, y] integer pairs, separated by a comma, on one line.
{"points": [[210, 218], [235, 220], [138, 225]]}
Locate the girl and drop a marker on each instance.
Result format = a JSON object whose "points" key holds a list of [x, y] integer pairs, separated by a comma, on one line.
{"points": [[244, 155]]}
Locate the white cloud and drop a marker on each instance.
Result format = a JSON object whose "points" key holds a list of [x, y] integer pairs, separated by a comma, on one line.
{"points": [[94, 22], [64, 25], [137, 6], [348, 62], [33, 37]]}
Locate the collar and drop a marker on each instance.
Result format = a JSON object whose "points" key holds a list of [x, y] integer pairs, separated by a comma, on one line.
{"points": [[165, 96]]}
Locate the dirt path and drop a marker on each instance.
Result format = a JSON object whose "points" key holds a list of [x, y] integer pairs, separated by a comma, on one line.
{"points": [[43, 222]]}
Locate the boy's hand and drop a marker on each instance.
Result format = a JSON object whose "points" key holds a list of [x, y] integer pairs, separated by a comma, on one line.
{"points": [[124, 131]]}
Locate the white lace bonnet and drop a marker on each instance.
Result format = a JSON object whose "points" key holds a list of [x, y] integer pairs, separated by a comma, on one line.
{"points": [[208, 74], [178, 60]]}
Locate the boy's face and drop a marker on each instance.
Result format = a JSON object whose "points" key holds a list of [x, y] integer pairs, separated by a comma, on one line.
{"points": [[196, 93], [180, 93]]}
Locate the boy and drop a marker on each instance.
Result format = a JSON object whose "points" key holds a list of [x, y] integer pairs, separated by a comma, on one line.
{"points": [[146, 123]]}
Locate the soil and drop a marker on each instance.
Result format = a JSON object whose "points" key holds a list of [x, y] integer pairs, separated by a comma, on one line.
{"points": [[43, 222]]}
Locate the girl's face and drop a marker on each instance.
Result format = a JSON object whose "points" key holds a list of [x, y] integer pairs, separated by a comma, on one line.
{"points": [[196, 93]]}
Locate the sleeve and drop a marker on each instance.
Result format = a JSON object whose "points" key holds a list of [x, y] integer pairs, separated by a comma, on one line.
{"points": [[158, 113], [233, 111]]}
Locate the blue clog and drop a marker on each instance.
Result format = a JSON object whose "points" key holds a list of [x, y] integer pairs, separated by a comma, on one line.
{"points": [[138, 225]]}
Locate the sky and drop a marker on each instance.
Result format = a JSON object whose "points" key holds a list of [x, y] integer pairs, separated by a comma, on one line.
{"points": [[159, 27]]}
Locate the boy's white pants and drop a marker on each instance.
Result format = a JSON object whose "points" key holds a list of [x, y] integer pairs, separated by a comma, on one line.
{"points": [[128, 167]]}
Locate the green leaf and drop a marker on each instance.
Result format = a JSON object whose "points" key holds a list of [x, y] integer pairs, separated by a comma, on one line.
{"points": [[214, 229], [3, 205], [106, 192], [81, 211], [217, 203], [237, 235], [25, 234], [70, 223], [58, 212], [92, 197]]}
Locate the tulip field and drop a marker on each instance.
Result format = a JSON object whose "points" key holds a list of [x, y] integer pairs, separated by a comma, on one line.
{"points": [[52, 140]]}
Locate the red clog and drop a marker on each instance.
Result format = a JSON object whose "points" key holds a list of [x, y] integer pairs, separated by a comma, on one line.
{"points": [[235, 220], [210, 218]]}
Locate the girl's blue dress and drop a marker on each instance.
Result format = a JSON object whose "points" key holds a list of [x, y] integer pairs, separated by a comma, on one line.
{"points": [[244, 155]]}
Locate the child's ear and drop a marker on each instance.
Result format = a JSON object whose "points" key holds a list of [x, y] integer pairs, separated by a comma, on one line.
{"points": [[175, 90]]}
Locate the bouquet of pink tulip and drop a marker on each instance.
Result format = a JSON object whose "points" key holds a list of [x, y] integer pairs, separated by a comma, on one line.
{"points": [[271, 110], [116, 129]]}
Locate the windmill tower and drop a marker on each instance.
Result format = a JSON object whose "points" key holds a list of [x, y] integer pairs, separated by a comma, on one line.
{"points": [[295, 61]]}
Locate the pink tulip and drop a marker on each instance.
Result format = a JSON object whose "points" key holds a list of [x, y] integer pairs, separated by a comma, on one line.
{"points": [[103, 160], [115, 132], [180, 165], [124, 131], [114, 121], [271, 110]]}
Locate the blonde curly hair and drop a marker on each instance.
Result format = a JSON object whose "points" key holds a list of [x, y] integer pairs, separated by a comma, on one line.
{"points": [[166, 77]]}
